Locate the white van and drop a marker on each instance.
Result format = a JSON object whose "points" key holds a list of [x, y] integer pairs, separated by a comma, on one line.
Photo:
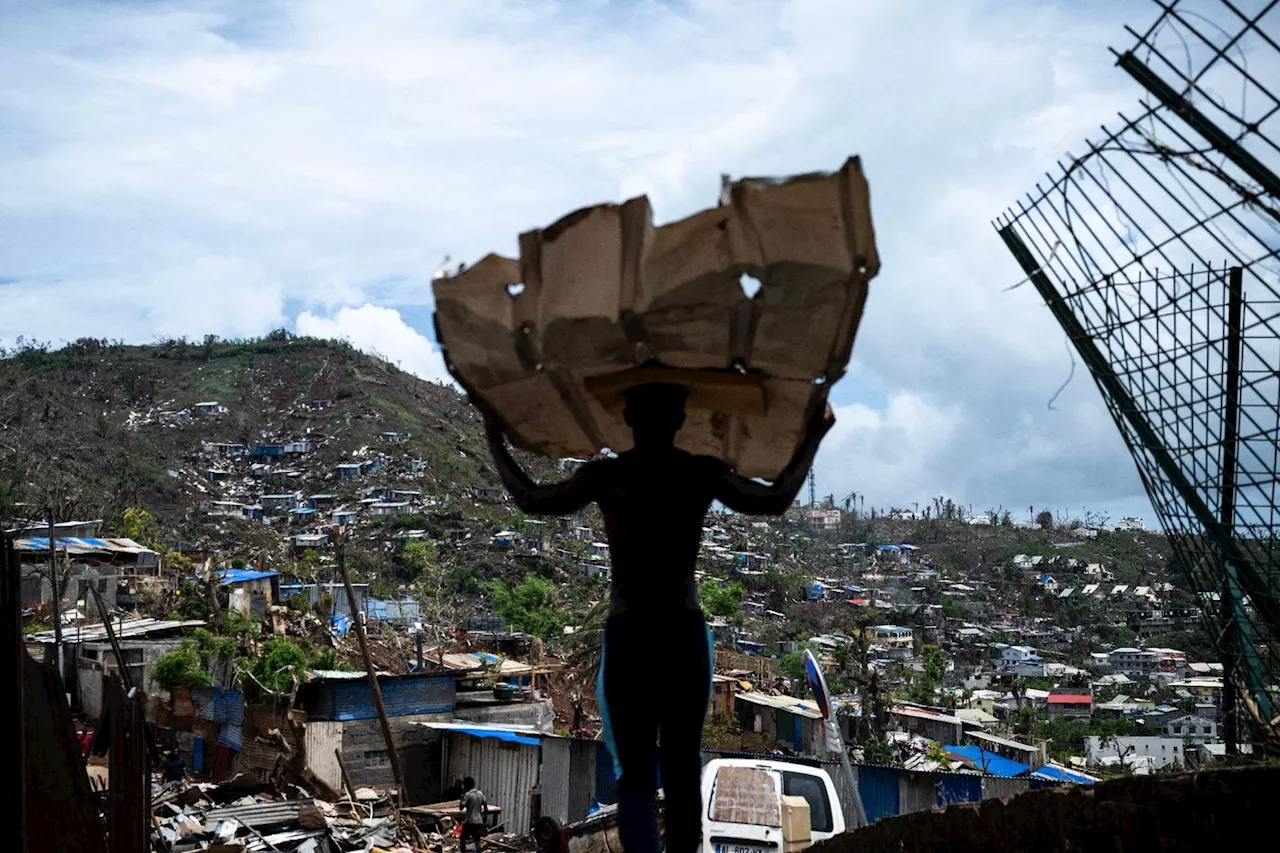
{"points": [[742, 801]]}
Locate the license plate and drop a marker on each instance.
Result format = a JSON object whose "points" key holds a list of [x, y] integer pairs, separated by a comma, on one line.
{"points": [[739, 848]]}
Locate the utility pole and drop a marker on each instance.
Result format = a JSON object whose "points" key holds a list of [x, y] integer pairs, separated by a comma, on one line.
{"points": [[57, 599], [372, 675], [813, 488]]}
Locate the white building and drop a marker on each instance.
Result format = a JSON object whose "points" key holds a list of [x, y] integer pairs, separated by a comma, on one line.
{"points": [[1023, 660], [1139, 754], [825, 519], [1130, 661], [386, 509]]}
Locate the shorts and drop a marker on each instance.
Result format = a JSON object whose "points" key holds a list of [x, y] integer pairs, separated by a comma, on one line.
{"points": [[473, 832]]}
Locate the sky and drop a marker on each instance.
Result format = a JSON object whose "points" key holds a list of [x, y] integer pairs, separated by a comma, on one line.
{"points": [[228, 168]]}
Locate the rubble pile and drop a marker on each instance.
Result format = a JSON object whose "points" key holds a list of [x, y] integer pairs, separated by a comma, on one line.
{"points": [[241, 815]]}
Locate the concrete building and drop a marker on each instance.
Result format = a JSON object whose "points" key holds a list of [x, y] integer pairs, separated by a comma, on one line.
{"points": [[1139, 754], [1179, 724], [248, 591], [1063, 704], [388, 509], [89, 658], [892, 640]]}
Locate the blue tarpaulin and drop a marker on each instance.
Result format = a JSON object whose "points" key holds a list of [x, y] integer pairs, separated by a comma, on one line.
{"points": [[989, 762], [243, 575], [1062, 774]]}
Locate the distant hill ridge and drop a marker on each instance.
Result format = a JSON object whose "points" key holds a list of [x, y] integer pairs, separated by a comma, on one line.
{"points": [[112, 425]]}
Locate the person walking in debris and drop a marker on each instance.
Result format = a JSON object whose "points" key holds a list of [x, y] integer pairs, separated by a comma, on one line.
{"points": [[173, 768], [473, 807], [654, 499]]}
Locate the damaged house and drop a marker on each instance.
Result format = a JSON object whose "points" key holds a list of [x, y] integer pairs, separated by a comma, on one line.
{"points": [[343, 720]]}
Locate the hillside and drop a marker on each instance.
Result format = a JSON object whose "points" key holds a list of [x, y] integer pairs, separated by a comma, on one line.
{"points": [[99, 422]]}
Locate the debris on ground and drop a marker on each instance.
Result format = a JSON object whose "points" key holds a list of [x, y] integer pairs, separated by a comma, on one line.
{"points": [[246, 815]]}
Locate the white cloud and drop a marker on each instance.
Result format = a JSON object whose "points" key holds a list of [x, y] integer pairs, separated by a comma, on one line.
{"points": [[380, 331], [218, 166]]}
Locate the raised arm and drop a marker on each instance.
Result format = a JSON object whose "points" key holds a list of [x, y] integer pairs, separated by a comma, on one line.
{"points": [[751, 498], [549, 499]]}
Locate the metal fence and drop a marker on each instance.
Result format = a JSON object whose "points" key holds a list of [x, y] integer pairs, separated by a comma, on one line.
{"points": [[1158, 251]]}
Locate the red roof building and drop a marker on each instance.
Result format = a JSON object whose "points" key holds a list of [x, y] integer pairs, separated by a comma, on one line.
{"points": [[1070, 704]]}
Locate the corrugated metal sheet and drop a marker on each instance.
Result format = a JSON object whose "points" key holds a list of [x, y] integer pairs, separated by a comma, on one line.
{"points": [[202, 701], [353, 700], [554, 778], [999, 788], [879, 787], [506, 772], [227, 706], [955, 788], [263, 730], [96, 633], [917, 792], [229, 734], [582, 776], [606, 781], [262, 816], [322, 742]]}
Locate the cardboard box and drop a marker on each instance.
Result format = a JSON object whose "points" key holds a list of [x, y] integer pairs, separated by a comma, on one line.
{"points": [[795, 820], [604, 299]]}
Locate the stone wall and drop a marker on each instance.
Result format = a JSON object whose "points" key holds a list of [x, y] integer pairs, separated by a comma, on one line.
{"points": [[1143, 813]]}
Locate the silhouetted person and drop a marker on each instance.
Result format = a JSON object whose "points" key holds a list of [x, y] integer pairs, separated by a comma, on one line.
{"points": [[473, 808], [656, 664], [173, 768]]}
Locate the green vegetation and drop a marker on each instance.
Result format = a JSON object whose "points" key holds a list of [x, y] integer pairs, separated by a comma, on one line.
{"points": [[276, 672], [721, 599], [926, 682], [191, 664], [528, 606], [792, 664], [1066, 734], [180, 668], [135, 523]]}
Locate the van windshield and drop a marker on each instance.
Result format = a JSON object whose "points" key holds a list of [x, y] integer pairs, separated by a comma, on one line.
{"points": [[812, 789], [746, 795]]}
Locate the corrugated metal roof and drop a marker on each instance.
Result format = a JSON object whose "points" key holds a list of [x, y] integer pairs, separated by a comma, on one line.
{"points": [[799, 707], [1054, 773], [351, 699], [1005, 742], [125, 628], [920, 714], [462, 662], [70, 544], [83, 545], [499, 734]]}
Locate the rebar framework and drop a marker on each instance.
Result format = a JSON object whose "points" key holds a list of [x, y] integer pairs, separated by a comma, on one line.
{"points": [[1158, 251]]}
